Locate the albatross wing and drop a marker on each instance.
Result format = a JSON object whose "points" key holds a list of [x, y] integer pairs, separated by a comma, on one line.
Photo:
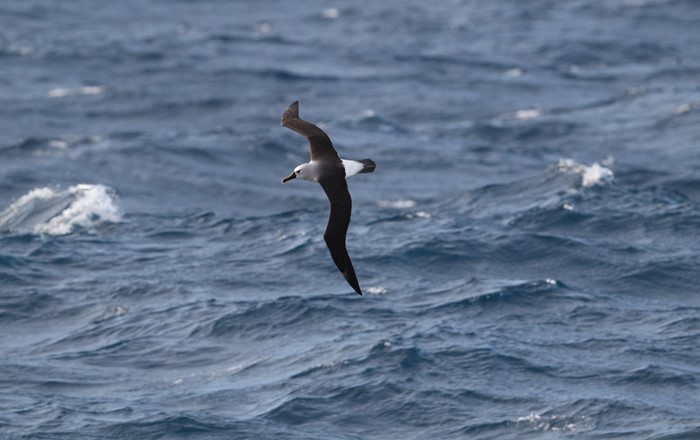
{"points": [[319, 142], [336, 189]]}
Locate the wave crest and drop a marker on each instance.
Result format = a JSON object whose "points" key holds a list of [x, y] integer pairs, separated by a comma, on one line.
{"points": [[49, 211], [597, 174]]}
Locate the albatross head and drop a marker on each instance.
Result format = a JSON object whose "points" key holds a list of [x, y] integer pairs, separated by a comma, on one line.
{"points": [[303, 171]]}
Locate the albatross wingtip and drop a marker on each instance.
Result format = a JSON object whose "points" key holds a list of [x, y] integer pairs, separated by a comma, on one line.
{"points": [[292, 112], [357, 289], [352, 280]]}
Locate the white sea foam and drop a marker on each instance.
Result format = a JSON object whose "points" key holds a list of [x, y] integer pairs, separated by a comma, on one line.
{"points": [[330, 13], [57, 143], [368, 114], [548, 423], [526, 114], [377, 290], [61, 92], [597, 174], [264, 28], [520, 115], [55, 212], [513, 73], [686, 107], [25, 51], [398, 204], [219, 373]]}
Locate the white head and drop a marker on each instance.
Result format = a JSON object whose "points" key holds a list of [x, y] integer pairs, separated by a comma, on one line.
{"points": [[304, 171]]}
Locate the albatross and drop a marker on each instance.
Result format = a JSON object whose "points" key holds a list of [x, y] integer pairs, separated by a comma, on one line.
{"points": [[329, 170]]}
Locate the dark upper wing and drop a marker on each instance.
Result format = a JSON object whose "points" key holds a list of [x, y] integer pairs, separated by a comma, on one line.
{"points": [[336, 189], [319, 142]]}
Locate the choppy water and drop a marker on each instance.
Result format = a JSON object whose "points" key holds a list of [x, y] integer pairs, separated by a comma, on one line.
{"points": [[528, 244]]}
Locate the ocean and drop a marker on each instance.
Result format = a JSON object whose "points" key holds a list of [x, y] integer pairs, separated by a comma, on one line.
{"points": [[528, 244]]}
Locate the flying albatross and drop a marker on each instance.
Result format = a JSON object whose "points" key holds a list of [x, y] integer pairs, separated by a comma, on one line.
{"points": [[330, 171]]}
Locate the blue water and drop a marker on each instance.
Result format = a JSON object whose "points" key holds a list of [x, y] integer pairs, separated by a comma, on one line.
{"points": [[528, 244]]}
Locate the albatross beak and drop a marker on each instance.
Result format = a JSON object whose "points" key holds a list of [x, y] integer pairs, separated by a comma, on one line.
{"points": [[290, 177]]}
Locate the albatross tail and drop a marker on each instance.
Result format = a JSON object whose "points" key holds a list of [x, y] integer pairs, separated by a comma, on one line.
{"points": [[368, 166]]}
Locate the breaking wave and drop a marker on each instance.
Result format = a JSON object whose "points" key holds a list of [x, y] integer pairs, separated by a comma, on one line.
{"points": [[55, 212]]}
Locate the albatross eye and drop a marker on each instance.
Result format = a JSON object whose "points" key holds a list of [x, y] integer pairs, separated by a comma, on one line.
{"points": [[298, 171]]}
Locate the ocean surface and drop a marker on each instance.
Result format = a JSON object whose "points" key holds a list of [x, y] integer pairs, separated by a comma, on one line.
{"points": [[529, 245]]}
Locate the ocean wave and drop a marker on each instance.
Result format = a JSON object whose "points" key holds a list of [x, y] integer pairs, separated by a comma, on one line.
{"points": [[657, 376], [272, 318], [597, 54], [553, 190], [524, 126], [599, 173], [55, 212], [161, 426], [369, 120], [29, 145], [38, 146], [26, 305], [677, 275], [524, 293]]}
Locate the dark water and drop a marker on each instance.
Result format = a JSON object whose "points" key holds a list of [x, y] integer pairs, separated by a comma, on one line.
{"points": [[528, 244]]}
